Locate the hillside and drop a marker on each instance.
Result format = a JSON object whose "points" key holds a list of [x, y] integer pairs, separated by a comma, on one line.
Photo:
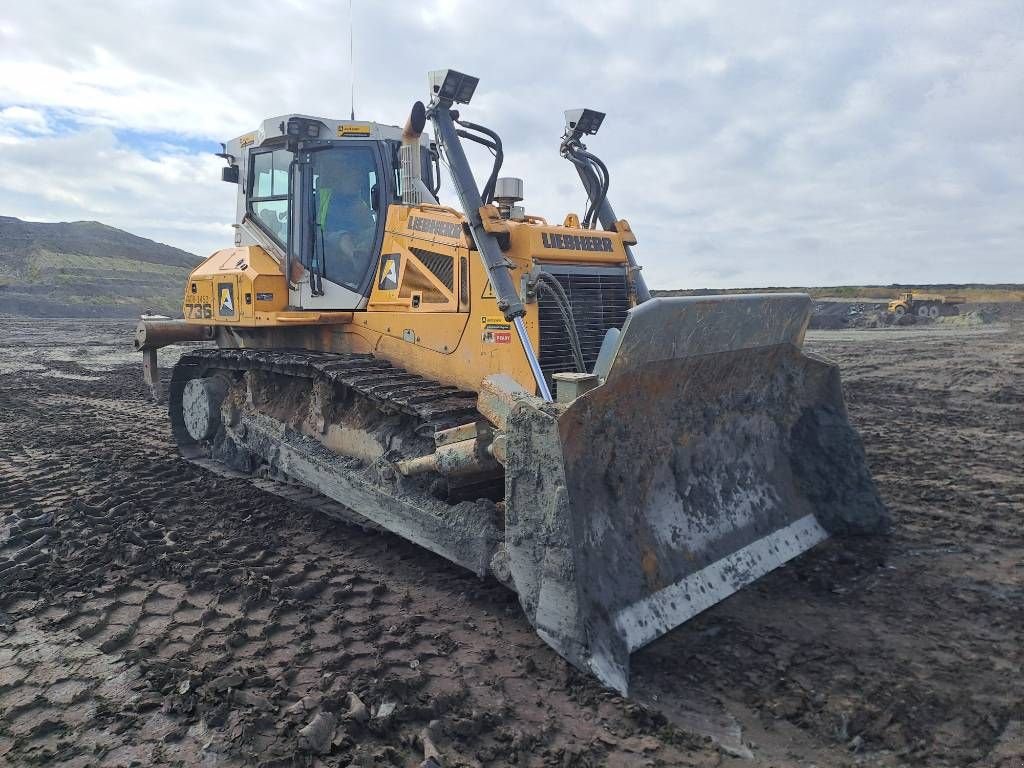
{"points": [[87, 269]]}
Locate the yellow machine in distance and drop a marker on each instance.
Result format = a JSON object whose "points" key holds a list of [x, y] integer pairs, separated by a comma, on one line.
{"points": [[909, 303], [501, 389]]}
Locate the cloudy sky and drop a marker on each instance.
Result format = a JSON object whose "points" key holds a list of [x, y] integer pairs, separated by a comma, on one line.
{"points": [[790, 143]]}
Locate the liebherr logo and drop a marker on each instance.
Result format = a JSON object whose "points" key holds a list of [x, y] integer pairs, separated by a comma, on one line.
{"points": [[575, 242], [436, 227]]}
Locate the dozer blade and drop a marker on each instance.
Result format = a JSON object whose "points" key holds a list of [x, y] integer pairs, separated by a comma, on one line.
{"points": [[713, 452]]}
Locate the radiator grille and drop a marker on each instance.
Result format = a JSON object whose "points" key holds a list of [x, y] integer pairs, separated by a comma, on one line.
{"points": [[600, 300], [440, 264]]}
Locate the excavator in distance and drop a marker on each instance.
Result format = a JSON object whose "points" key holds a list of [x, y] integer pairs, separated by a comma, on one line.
{"points": [[502, 390]]}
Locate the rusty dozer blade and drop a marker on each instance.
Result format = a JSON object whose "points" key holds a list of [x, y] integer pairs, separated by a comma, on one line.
{"points": [[713, 452]]}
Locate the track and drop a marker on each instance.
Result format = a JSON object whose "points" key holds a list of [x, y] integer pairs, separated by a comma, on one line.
{"points": [[179, 618], [391, 388]]}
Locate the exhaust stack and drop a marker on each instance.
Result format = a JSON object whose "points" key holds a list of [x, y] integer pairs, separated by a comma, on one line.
{"points": [[414, 191]]}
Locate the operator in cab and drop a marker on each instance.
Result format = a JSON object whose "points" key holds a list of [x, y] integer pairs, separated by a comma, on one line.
{"points": [[345, 221]]}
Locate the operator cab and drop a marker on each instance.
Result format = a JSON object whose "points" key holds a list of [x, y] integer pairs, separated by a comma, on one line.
{"points": [[314, 193]]}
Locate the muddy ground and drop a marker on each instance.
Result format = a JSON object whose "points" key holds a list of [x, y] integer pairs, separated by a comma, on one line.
{"points": [[152, 614]]}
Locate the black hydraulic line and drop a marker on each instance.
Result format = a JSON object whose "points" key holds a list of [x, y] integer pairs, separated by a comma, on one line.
{"points": [[435, 156], [478, 139], [551, 285], [606, 215], [602, 194], [487, 195], [590, 217], [592, 184], [499, 157]]}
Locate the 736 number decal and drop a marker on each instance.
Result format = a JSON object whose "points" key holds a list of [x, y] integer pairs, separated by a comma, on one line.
{"points": [[198, 311]]}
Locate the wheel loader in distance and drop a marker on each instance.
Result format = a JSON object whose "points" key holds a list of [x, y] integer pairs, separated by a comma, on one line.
{"points": [[502, 390]]}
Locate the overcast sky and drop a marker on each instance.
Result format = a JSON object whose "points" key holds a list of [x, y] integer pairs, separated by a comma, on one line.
{"points": [[750, 144]]}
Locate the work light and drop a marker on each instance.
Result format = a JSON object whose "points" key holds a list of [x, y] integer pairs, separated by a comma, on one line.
{"points": [[581, 121], [449, 85]]}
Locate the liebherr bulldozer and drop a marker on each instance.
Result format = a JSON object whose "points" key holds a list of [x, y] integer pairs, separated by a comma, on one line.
{"points": [[502, 390]]}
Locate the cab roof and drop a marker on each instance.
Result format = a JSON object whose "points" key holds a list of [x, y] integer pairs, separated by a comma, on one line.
{"points": [[276, 127]]}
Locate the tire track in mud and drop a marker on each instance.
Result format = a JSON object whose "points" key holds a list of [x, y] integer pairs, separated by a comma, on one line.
{"points": [[242, 616], [215, 622]]}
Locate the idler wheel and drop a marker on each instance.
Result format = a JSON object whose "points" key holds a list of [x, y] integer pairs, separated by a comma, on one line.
{"points": [[200, 406]]}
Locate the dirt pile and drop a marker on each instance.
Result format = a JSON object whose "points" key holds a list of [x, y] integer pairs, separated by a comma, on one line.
{"points": [[835, 315]]}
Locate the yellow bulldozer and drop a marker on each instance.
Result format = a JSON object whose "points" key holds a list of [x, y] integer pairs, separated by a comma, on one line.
{"points": [[501, 389]]}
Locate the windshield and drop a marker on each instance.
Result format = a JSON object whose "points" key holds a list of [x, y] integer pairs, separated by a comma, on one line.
{"points": [[345, 212]]}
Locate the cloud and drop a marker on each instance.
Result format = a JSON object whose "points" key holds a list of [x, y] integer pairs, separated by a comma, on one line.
{"points": [[22, 121], [88, 174], [749, 145]]}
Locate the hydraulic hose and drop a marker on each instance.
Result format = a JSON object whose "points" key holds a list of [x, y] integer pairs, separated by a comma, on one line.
{"points": [[604, 213], [487, 194], [590, 220], [550, 285]]}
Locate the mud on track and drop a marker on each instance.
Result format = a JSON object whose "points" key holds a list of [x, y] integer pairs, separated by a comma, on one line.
{"points": [[152, 614]]}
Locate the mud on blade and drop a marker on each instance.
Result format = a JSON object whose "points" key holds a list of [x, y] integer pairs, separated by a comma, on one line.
{"points": [[714, 452]]}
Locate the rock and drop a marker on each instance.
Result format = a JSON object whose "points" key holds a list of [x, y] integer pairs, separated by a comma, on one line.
{"points": [[357, 711], [303, 705], [428, 739], [385, 710], [250, 699], [317, 735], [222, 683], [606, 738], [174, 735]]}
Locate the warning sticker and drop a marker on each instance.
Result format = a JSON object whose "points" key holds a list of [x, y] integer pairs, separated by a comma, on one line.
{"points": [[497, 337], [496, 329], [494, 323], [348, 129], [488, 291]]}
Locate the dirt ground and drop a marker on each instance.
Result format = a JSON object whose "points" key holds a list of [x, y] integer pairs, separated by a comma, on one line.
{"points": [[152, 614]]}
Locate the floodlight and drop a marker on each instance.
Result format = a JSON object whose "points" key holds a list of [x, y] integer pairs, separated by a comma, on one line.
{"points": [[449, 85], [580, 121], [303, 127]]}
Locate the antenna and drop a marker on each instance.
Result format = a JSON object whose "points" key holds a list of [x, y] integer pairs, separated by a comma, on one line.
{"points": [[351, 61]]}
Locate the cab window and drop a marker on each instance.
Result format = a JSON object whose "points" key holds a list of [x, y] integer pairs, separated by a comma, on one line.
{"points": [[347, 212], [268, 192]]}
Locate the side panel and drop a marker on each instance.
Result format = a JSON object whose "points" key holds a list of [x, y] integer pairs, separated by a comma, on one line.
{"points": [[235, 286], [459, 348]]}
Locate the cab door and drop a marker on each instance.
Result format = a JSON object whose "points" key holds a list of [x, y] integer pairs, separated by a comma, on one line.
{"points": [[341, 191]]}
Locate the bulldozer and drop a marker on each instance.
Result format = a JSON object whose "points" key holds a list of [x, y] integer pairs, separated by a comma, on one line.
{"points": [[502, 390]]}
